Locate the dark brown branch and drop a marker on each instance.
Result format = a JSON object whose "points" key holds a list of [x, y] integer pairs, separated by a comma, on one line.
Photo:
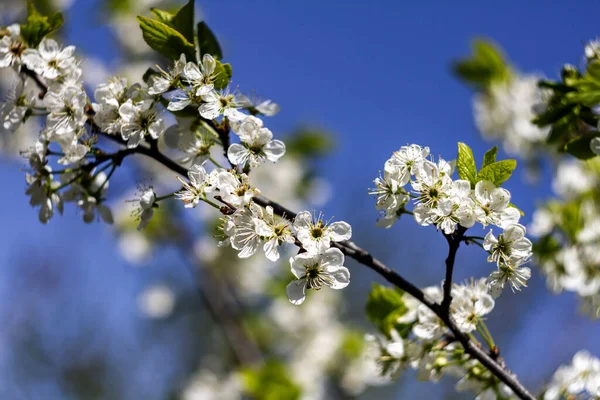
{"points": [[364, 257], [453, 245]]}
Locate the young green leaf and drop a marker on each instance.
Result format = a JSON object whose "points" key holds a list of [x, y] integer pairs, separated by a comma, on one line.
{"points": [[465, 164], [165, 39], [39, 26], [484, 67], [184, 21], [490, 156], [207, 42], [223, 73], [165, 17], [497, 172], [384, 307], [580, 146]]}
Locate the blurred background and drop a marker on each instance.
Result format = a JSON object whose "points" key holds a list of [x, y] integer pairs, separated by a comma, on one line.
{"points": [[92, 312]]}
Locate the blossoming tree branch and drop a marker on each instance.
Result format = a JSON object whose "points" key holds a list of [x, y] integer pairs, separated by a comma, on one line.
{"points": [[437, 330]]}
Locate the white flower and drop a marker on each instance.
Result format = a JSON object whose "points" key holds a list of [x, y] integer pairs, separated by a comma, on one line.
{"points": [[141, 119], [256, 147], [316, 235], [492, 205], [145, 210], [506, 111], [67, 112], [40, 190], [511, 243], [108, 98], [179, 100], [201, 77], [157, 301], [432, 182], [405, 162], [166, 79], [193, 138], [572, 179], [19, 100], [11, 46], [265, 107], [390, 198], [470, 303], [220, 103], [246, 237], [511, 273], [235, 190], [72, 148], [50, 61], [275, 231], [583, 374], [315, 271], [89, 205], [196, 189], [592, 49], [429, 326]]}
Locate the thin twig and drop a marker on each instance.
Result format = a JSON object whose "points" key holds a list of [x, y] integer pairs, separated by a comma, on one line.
{"points": [[354, 251]]}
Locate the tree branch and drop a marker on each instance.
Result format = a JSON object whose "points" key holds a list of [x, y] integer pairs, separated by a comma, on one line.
{"points": [[453, 245], [354, 251]]}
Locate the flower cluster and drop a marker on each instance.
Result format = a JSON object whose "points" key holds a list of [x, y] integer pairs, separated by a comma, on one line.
{"points": [[568, 231], [446, 203], [422, 342], [506, 110], [580, 379]]}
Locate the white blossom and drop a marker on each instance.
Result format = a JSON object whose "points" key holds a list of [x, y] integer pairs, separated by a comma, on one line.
{"points": [[235, 189], [510, 243], [161, 82], [67, 113], [492, 205], [201, 77], [140, 120], [145, 207], [200, 183], [257, 145], [315, 270], [220, 103], [49, 60], [316, 235], [11, 46], [19, 101], [510, 273]]}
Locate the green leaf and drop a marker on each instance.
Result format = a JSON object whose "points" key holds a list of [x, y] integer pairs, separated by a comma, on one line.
{"points": [[165, 17], [184, 21], [465, 164], [223, 73], [554, 114], [270, 382], [580, 146], [497, 172], [39, 26], [593, 70], [490, 156], [384, 307], [207, 42], [485, 66], [589, 98], [165, 39]]}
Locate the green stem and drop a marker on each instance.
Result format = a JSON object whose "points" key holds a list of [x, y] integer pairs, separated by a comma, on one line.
{"points": [[485, 333], [215, 205], [215, 162]]}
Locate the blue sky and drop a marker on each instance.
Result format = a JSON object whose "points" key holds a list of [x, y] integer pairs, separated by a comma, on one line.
{"points": [[377, 75]]}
